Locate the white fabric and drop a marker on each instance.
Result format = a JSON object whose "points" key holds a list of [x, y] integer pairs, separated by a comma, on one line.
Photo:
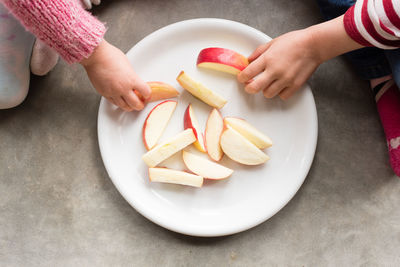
{"points": [[87, 4], [15, 53], [394, 143]]}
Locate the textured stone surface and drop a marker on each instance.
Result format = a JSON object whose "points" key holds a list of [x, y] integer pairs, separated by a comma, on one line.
{"points": [[59, 208]]}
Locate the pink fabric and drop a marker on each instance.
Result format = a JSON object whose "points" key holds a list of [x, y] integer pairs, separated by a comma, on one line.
{"points": [[62, 24], [389, 111]]}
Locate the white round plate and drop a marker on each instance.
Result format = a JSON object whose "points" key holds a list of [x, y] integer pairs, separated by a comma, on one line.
{"points": [[253, 193]]}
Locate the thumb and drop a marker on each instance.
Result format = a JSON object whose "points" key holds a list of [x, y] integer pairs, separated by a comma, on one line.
{"points": [[142, 90]]}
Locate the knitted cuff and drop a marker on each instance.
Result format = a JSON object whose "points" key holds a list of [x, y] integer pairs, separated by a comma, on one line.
{"points": [[63, 25]]}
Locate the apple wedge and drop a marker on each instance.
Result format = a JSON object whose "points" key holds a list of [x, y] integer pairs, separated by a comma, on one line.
{"points": [[222, 59], [190, 121], [214, 128], [249, 131], [164, 175], [204, 167], [241, 150], [161, 90], [156, 122], [200, 91], [166, 149]]}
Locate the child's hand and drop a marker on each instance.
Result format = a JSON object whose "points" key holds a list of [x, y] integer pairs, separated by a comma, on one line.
{"points": [[283, 65], [114, 78]]}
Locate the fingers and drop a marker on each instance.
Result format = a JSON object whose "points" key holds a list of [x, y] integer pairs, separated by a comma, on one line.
{"points": [[264, 80], [251, 70], [268, 83], [142, 88], [296, 83], [133, 101], [274, 89], [260, 50], [128, 102], [256, 66], [120, 102], [273, 86], [288, 92]]}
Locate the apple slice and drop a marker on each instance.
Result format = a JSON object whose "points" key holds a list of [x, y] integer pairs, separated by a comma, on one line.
{"points": [[200, 91], [190, 121], [249, 131], [241, 150], [156, 122], [164, 175], [214, 128], [204, 167], [166, 149], [222, 59], [161, 90]]}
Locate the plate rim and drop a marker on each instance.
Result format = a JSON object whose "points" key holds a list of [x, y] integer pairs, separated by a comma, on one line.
{"points": [[303, 174]]}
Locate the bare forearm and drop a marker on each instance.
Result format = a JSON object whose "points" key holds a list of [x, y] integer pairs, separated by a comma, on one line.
{"points": [[330, 39]]}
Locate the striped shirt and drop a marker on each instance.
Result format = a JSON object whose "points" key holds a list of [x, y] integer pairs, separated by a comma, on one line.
{"points": [[374, 23]]}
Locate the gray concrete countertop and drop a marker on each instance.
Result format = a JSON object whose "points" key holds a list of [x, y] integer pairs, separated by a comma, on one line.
{"points": [[59, 208]]}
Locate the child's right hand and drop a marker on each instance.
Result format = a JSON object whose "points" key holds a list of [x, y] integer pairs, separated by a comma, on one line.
{"points": [[114, 78]]}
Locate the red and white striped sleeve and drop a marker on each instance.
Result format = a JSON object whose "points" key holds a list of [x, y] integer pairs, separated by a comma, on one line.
{"points": [[374, 23]]}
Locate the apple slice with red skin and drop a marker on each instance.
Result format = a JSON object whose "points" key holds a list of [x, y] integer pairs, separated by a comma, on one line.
{"points": [[204, 167], [169, 147], [214, 128], [156, 122], [222, 59], [249, 131], [190, 121], [161, 90], [164, 175], [200, 91], [241, 150]]}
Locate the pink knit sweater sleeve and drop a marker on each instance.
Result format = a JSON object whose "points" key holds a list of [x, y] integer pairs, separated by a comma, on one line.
{"points": [[62, 24]]}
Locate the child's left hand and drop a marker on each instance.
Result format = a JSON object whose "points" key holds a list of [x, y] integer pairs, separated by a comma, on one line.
{"points": [[282, 65]]}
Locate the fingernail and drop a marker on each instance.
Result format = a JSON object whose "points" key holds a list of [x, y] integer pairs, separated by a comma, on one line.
{"points": [[148, 94], [148, 97], [139, 107], [142, 98], [250, 90]]}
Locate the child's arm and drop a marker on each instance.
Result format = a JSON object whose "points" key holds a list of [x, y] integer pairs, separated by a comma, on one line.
{"points": [[283, 65], [78, 37]]}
